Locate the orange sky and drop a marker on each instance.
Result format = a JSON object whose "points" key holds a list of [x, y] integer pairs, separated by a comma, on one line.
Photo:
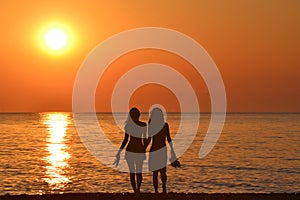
{"points": [[255, 44]]}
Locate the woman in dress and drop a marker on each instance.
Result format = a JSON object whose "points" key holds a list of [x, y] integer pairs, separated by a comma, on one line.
{"points": [[135, 132], [158, 132]]}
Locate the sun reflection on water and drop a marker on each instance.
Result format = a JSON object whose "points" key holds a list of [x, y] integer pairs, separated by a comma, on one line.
{"points": [[57, 125]]}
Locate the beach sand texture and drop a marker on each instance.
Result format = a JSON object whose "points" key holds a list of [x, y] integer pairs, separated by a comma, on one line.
{"points": [[151, 196]]}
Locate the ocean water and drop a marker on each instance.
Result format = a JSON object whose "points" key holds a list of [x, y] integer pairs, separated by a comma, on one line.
{"points": [[257, 152]]}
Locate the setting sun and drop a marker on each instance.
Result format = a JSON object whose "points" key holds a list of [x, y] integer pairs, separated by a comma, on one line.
{"points": [[56, 39], [149, 100]]}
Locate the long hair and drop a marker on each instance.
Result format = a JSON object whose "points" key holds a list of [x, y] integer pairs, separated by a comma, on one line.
{"points": [[132, 119], [156, 121]]}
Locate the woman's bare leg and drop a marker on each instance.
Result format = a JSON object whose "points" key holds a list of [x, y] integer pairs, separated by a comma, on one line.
{"points": [[131, 167], [155, 181], [132, 181], [139, 175], [163, 176]]}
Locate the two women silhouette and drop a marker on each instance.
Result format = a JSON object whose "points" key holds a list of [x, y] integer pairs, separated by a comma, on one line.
{"points": [[158, 133]]}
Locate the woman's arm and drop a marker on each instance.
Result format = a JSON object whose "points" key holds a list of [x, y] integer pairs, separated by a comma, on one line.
{"points": [[173, 155], [125, 140], [146, 140], [168, 133]]}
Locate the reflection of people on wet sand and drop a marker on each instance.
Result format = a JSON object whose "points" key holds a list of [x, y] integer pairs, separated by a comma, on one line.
{"points": [[158, 132], [135, 131]]}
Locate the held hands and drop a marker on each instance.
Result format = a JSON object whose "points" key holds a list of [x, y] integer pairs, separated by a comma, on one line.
{"points": [[117, 160]]}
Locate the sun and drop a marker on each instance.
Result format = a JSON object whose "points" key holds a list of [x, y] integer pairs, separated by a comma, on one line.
{"points": [[56, 39]]}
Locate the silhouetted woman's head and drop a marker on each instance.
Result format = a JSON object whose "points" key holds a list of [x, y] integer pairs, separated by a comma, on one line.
{"points": [[132, 124], [156, 121], [156, 115], [134, 113]]}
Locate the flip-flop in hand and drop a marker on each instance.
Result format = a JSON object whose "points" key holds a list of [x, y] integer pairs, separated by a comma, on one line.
{"points": [[117, 160]]}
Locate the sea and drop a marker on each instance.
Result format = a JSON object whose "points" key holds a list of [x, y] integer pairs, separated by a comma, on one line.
{"points": [[42, 153]]}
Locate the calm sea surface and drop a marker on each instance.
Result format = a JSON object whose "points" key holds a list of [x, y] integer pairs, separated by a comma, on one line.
{"points": [[42, 153]]}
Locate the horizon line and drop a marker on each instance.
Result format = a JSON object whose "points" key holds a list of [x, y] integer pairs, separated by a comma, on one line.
{"points": [[204, 112]]}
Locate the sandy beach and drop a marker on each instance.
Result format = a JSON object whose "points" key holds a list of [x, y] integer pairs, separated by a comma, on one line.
{"points": [[151, 196]]}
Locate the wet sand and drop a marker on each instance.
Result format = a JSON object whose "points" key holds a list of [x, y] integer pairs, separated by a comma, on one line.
{"points": [[152, 196]]}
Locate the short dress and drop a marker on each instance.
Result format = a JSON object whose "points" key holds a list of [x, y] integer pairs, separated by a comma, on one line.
{"points": [[158, 151]]}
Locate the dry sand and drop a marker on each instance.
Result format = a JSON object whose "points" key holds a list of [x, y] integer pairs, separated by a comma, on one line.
{"points": [[152, 196]]}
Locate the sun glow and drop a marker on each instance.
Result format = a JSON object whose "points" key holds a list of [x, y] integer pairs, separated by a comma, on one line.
{"points": [[56, 39]]}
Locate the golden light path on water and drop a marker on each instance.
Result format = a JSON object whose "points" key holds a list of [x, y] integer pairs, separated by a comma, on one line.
{"points": [[58, 155]]}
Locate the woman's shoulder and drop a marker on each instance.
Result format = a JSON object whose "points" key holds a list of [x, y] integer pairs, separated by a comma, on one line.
{"points": [[166, 125], [142, 123]]}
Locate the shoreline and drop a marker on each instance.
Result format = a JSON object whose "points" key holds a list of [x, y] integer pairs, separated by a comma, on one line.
{"points": [[152, 196]]}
